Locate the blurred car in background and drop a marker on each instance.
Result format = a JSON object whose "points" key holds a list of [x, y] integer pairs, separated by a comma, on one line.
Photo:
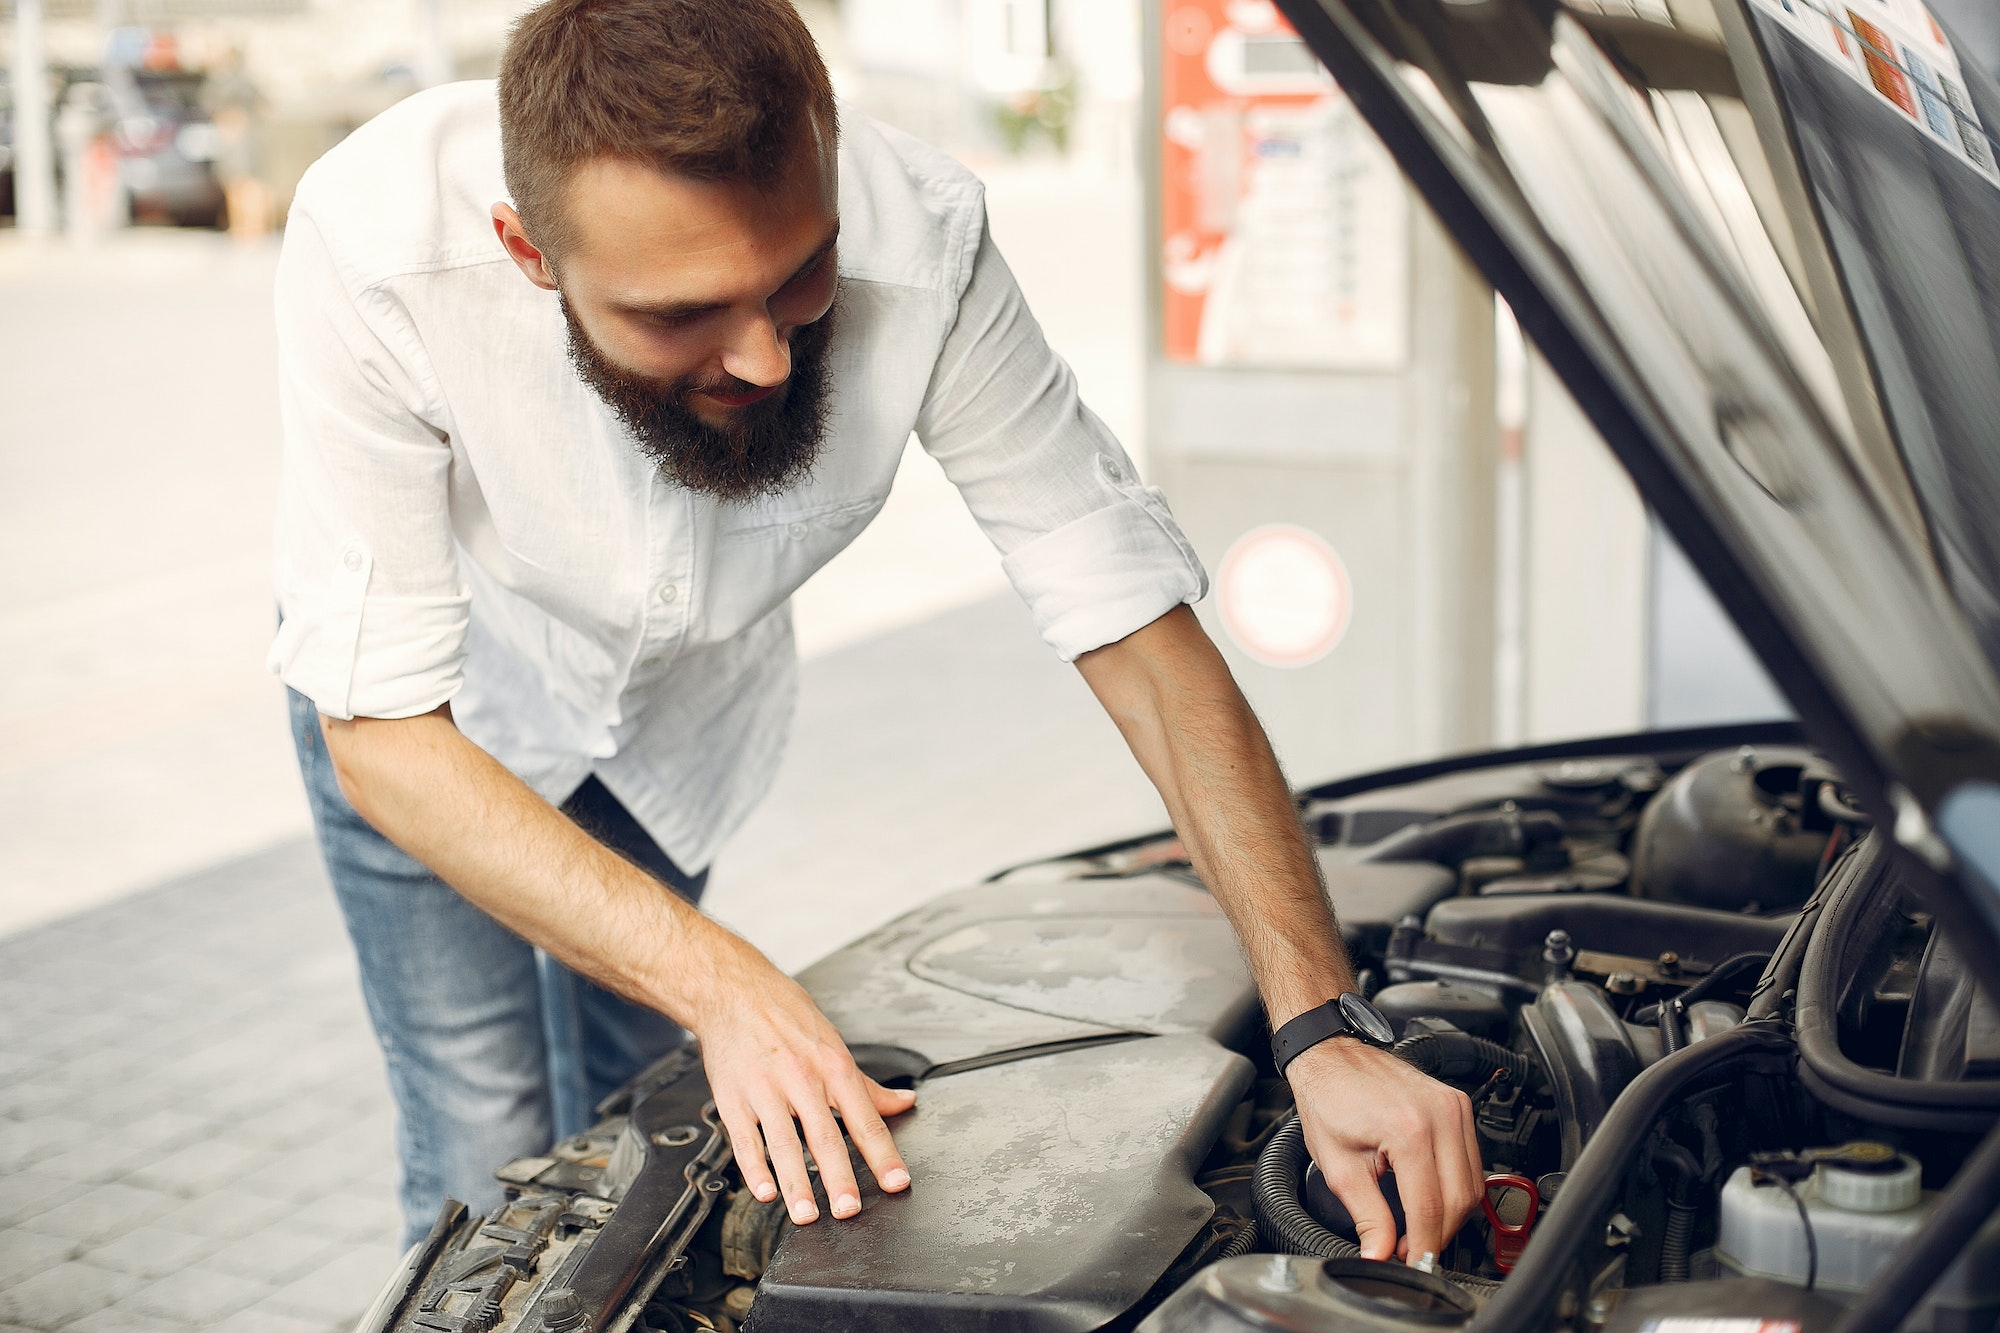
{"points": [[166, 145], [6, 145]]}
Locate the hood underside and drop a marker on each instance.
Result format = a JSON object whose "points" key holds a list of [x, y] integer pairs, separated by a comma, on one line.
{"points": [[1760, 242]]}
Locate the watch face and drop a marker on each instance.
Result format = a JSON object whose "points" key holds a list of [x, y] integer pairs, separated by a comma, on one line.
{"points": [[1365, 1020]]}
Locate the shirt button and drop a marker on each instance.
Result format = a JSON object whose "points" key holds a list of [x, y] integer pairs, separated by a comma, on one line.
{"points": [[1111, 469], [668, 592], [798, 531], [352, 562]]}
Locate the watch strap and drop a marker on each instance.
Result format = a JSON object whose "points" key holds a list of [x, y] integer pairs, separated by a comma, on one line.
{"points": [[1308, 1030]]}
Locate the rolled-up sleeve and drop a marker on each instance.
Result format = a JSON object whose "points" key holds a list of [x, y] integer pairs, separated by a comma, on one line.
{"points": [[374, 616], [1091, 549]]}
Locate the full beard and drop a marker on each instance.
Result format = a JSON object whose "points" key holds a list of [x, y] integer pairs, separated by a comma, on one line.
{"points": [[765, 447]]}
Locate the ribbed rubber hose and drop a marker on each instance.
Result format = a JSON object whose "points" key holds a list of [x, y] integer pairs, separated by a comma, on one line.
{"points": [[1240, 1244], [1674, 1244], [1462, 1057], [1283, 1221], [1282, 1218]]}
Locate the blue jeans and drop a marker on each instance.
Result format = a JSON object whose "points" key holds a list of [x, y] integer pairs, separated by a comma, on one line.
{"points": [[494, 1049]]}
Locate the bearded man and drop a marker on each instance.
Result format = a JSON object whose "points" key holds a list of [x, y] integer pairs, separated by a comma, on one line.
{"points": [[553, 467]]}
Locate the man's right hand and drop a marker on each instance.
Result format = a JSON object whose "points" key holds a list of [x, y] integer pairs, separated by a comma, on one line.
{"points": [[773, 1059], [771, 1055]]}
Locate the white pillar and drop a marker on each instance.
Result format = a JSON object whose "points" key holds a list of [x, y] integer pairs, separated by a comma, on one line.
{"points": [[434, 63], [34, 151]]}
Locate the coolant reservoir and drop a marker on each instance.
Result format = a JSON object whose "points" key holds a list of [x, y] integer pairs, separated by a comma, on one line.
{"points": [[1859, 1214], [1860, 1208]]}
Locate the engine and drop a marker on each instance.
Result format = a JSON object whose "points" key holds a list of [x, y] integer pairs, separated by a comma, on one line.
{"points": [[1101, 1141]]}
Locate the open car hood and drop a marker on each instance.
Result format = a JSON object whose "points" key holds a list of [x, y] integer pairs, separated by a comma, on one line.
{"points": [[1760, 242]]}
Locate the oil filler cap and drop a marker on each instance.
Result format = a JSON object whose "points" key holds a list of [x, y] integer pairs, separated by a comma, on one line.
{"points": [[1870, 1178]]}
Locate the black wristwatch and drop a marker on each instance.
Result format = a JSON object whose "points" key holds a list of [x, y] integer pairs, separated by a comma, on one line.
{"points": [[1343, 1016]]}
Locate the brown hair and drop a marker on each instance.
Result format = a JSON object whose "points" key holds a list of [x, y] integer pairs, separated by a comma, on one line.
{"points": [[712, 89]]}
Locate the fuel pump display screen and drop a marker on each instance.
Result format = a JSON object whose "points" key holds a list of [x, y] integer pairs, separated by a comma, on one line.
{"points": [[1285, 226]]}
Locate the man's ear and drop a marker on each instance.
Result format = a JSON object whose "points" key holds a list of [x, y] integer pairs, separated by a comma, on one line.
{"points": [[533, 264]]}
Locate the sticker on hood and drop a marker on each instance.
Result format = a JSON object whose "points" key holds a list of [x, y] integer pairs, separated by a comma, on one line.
{"points": [[1896, 48]]}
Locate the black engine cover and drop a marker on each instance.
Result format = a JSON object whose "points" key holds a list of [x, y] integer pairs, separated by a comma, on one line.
{"points": [[1069, 1042]]}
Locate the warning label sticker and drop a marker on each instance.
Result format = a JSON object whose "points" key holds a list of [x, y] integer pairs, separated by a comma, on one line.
{"points": [[1897, 49]]}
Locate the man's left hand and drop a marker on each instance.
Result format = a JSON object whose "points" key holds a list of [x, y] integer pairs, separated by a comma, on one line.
{"points": [[1365, 1111]]}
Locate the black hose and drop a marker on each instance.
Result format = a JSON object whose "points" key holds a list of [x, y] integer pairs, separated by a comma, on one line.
{"points": [[1524, 1302], [1728, 970], [1674, 1244], [1240, 1244], [1455, 838], [1288, 1228], [1282, 1219], [1682, 1196], [1460, 1057], [1673, 1027], [1912, 1270], [1867, 1094]]}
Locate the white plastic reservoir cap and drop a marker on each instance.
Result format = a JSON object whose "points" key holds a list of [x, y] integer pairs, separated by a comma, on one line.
{"points": [[1874, 1190], [1284, 595]]}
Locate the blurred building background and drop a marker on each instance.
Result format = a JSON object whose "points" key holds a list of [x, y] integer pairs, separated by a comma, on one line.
{"points": [[1418, 544]]}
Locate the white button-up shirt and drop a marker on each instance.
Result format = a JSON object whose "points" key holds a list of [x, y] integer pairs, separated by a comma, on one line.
{"points": [[463, 520]]}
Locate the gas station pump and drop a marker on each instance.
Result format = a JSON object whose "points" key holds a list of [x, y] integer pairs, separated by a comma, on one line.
{"points": [[1320, 399]]}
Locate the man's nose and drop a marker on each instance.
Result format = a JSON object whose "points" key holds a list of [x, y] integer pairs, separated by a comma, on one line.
{"points": [[757, 355]]}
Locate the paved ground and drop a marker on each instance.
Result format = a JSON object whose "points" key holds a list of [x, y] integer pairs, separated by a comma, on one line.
{"points": [[193, 1130]]}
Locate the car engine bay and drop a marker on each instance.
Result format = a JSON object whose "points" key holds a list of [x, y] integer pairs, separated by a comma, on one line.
{"points": [[1722, 1066]]}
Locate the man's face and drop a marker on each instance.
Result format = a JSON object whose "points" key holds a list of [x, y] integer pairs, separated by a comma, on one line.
{"points": [[700, 311]]}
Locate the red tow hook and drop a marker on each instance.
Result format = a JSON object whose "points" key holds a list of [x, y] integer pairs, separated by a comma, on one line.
{"points": [[1509, 1239]]}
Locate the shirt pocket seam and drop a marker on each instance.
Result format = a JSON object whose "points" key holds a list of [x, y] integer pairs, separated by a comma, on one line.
{"points": [[817, 515]]}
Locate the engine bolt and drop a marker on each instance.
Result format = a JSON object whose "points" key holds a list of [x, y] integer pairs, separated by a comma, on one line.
{"points": [[1558, 953], [562, 1312], [1670, 963]]}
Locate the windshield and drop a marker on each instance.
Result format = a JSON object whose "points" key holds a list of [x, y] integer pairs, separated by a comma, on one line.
{"points": [[1759, 239]]}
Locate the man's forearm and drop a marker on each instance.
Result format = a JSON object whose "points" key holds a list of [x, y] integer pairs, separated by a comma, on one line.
{"points": [[1193, 733], [1362, 1109], [450, 805], [771, 1056]]}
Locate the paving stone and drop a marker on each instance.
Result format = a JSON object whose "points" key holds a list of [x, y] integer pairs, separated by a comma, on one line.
{"points": [[359, 1217], [128, 1317], [312, 1171], [17, 1063], [266, 1318], [341, 1289], [201, 1295], [23, 1142], [23, 1098], [166, 1129], [96, 1159], [277, 1253], [152, 1251], [200, 1167], [67, 1292], [25, 1253], [24, 1193], [227, 1213], [102, 1212]]}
